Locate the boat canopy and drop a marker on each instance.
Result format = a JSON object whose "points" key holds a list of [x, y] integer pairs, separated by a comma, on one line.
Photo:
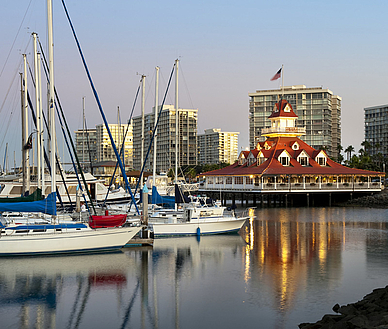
{"points": [[166, 201], [36, 196], [47, 206]]}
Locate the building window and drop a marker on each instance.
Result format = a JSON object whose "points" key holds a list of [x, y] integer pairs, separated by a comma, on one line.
{"points": [[238, 180], [248, 180], [321, 161], [303, 161], [261, 160], [285, 161]]}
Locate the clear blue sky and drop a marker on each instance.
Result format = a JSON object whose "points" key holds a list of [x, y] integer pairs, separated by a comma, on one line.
{"points": [[227, 50]]}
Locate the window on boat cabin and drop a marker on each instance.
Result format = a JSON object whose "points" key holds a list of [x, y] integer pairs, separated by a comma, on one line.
{"points": [[16, 190], [238, 180], [285, 161]]}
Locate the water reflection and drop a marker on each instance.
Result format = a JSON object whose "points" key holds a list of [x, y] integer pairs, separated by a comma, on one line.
{"points": [[287, 266]]}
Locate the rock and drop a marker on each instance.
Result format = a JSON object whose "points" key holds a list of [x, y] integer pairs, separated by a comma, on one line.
{"points": [[370, 312], [336, 308]]}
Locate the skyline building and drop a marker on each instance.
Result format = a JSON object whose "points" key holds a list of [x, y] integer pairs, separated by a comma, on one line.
{"points": [[318, 111], [86, 146], [216, 146], [187, 139], [376, 129], [105, 150]]}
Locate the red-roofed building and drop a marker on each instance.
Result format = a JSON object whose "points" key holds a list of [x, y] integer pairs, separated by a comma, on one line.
{"points": [[285, 163]]}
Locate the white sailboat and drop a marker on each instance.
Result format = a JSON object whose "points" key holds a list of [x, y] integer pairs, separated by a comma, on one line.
{"points": [[54, 238]]}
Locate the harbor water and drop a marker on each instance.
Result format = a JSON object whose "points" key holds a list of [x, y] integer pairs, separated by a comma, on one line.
{"points": [[285, 267]]}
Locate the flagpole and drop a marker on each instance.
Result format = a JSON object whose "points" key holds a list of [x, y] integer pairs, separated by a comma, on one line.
{"points": [[282, 81]]}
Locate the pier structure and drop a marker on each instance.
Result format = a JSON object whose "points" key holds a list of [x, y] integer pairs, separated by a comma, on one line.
{"points": [[284, 169]]}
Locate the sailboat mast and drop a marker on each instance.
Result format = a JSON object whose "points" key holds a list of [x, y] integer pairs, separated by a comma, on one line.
{"points": [[83, 133], [142, 125], [26, 160], [40, 132], [156, 119], [51, 94], [176, 120], [37, 107]]}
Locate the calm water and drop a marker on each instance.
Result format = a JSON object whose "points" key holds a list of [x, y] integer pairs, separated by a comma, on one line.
{"points": [[287, 266]]}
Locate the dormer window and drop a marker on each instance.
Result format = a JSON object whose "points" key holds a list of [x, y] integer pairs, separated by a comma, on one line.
{"points": [[261, 160], [321, 161], [303, 161], [287, 108], [284, 160]]}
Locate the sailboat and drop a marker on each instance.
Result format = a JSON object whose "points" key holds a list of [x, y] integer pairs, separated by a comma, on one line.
{"points": [[57, 238]]}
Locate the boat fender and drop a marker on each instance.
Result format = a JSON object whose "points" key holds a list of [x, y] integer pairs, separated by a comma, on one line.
{"points": [[229, 209], [198, 231]]}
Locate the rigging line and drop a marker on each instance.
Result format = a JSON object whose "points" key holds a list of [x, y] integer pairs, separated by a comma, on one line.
{"points": [[154, 130], [58, 104], [10, 86], [128, 188], [187, 89], [8, 124], [13, 43], [164, 81], [122, 146]]}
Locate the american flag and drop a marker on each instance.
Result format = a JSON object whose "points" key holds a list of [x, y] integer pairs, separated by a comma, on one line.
{"points": [[277, 75]]}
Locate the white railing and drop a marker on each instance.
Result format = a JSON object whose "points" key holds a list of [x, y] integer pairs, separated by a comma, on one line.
{"points": [[284, 130], [294, 186]]}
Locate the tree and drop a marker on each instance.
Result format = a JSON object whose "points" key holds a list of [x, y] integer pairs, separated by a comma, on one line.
{"points": [[367, 146], [340, 158], [349, 150]]}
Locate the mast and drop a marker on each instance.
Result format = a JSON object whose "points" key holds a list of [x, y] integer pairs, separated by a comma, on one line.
{"points": [[83, 133], [40, 132], [156, 119], [51, 94], [176, 120], [142, 125], [37, 107], [26, 160]]}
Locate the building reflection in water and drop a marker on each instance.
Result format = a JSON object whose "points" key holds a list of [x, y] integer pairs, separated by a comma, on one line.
{"points": [[284, 252], [288, 250], [279, 257]]}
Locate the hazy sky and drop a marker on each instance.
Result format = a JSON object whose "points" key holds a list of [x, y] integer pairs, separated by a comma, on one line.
{"points": [[227, 49]]}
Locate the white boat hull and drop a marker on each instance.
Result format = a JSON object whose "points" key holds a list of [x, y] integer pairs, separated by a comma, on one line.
{"points": [[98, 240], [198, 227]]}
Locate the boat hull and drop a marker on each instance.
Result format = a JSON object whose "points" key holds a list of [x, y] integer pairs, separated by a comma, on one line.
{"points": [[198, 227], [100, 240]]}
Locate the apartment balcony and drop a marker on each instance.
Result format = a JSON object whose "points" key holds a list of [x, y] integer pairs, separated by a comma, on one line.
{"points": [[284, 130]]}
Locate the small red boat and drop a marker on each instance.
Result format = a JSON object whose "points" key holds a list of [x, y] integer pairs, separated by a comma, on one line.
{"points": [[99, 221]]}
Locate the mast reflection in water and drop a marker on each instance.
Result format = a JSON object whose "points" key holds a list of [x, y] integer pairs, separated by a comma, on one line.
{"points": [[287, 266]]}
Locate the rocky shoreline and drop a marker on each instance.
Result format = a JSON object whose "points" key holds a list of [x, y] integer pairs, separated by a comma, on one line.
{"points": [[370, 312], [378, 200]]}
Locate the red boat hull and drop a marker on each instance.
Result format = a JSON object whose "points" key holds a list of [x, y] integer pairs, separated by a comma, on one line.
{"points": [[107, 220]]}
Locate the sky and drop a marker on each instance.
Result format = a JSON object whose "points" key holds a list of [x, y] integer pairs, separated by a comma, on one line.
{"points": [[226, 49]]}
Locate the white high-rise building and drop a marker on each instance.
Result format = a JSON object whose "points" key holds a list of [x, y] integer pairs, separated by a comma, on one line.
{"points": [[216, 146], [105, 150], [318, 110], [165, 154]]}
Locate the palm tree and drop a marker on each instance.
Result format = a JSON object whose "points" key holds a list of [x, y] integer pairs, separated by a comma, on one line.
{"points": [[367, 146], [349, 150], [340, 158]]}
